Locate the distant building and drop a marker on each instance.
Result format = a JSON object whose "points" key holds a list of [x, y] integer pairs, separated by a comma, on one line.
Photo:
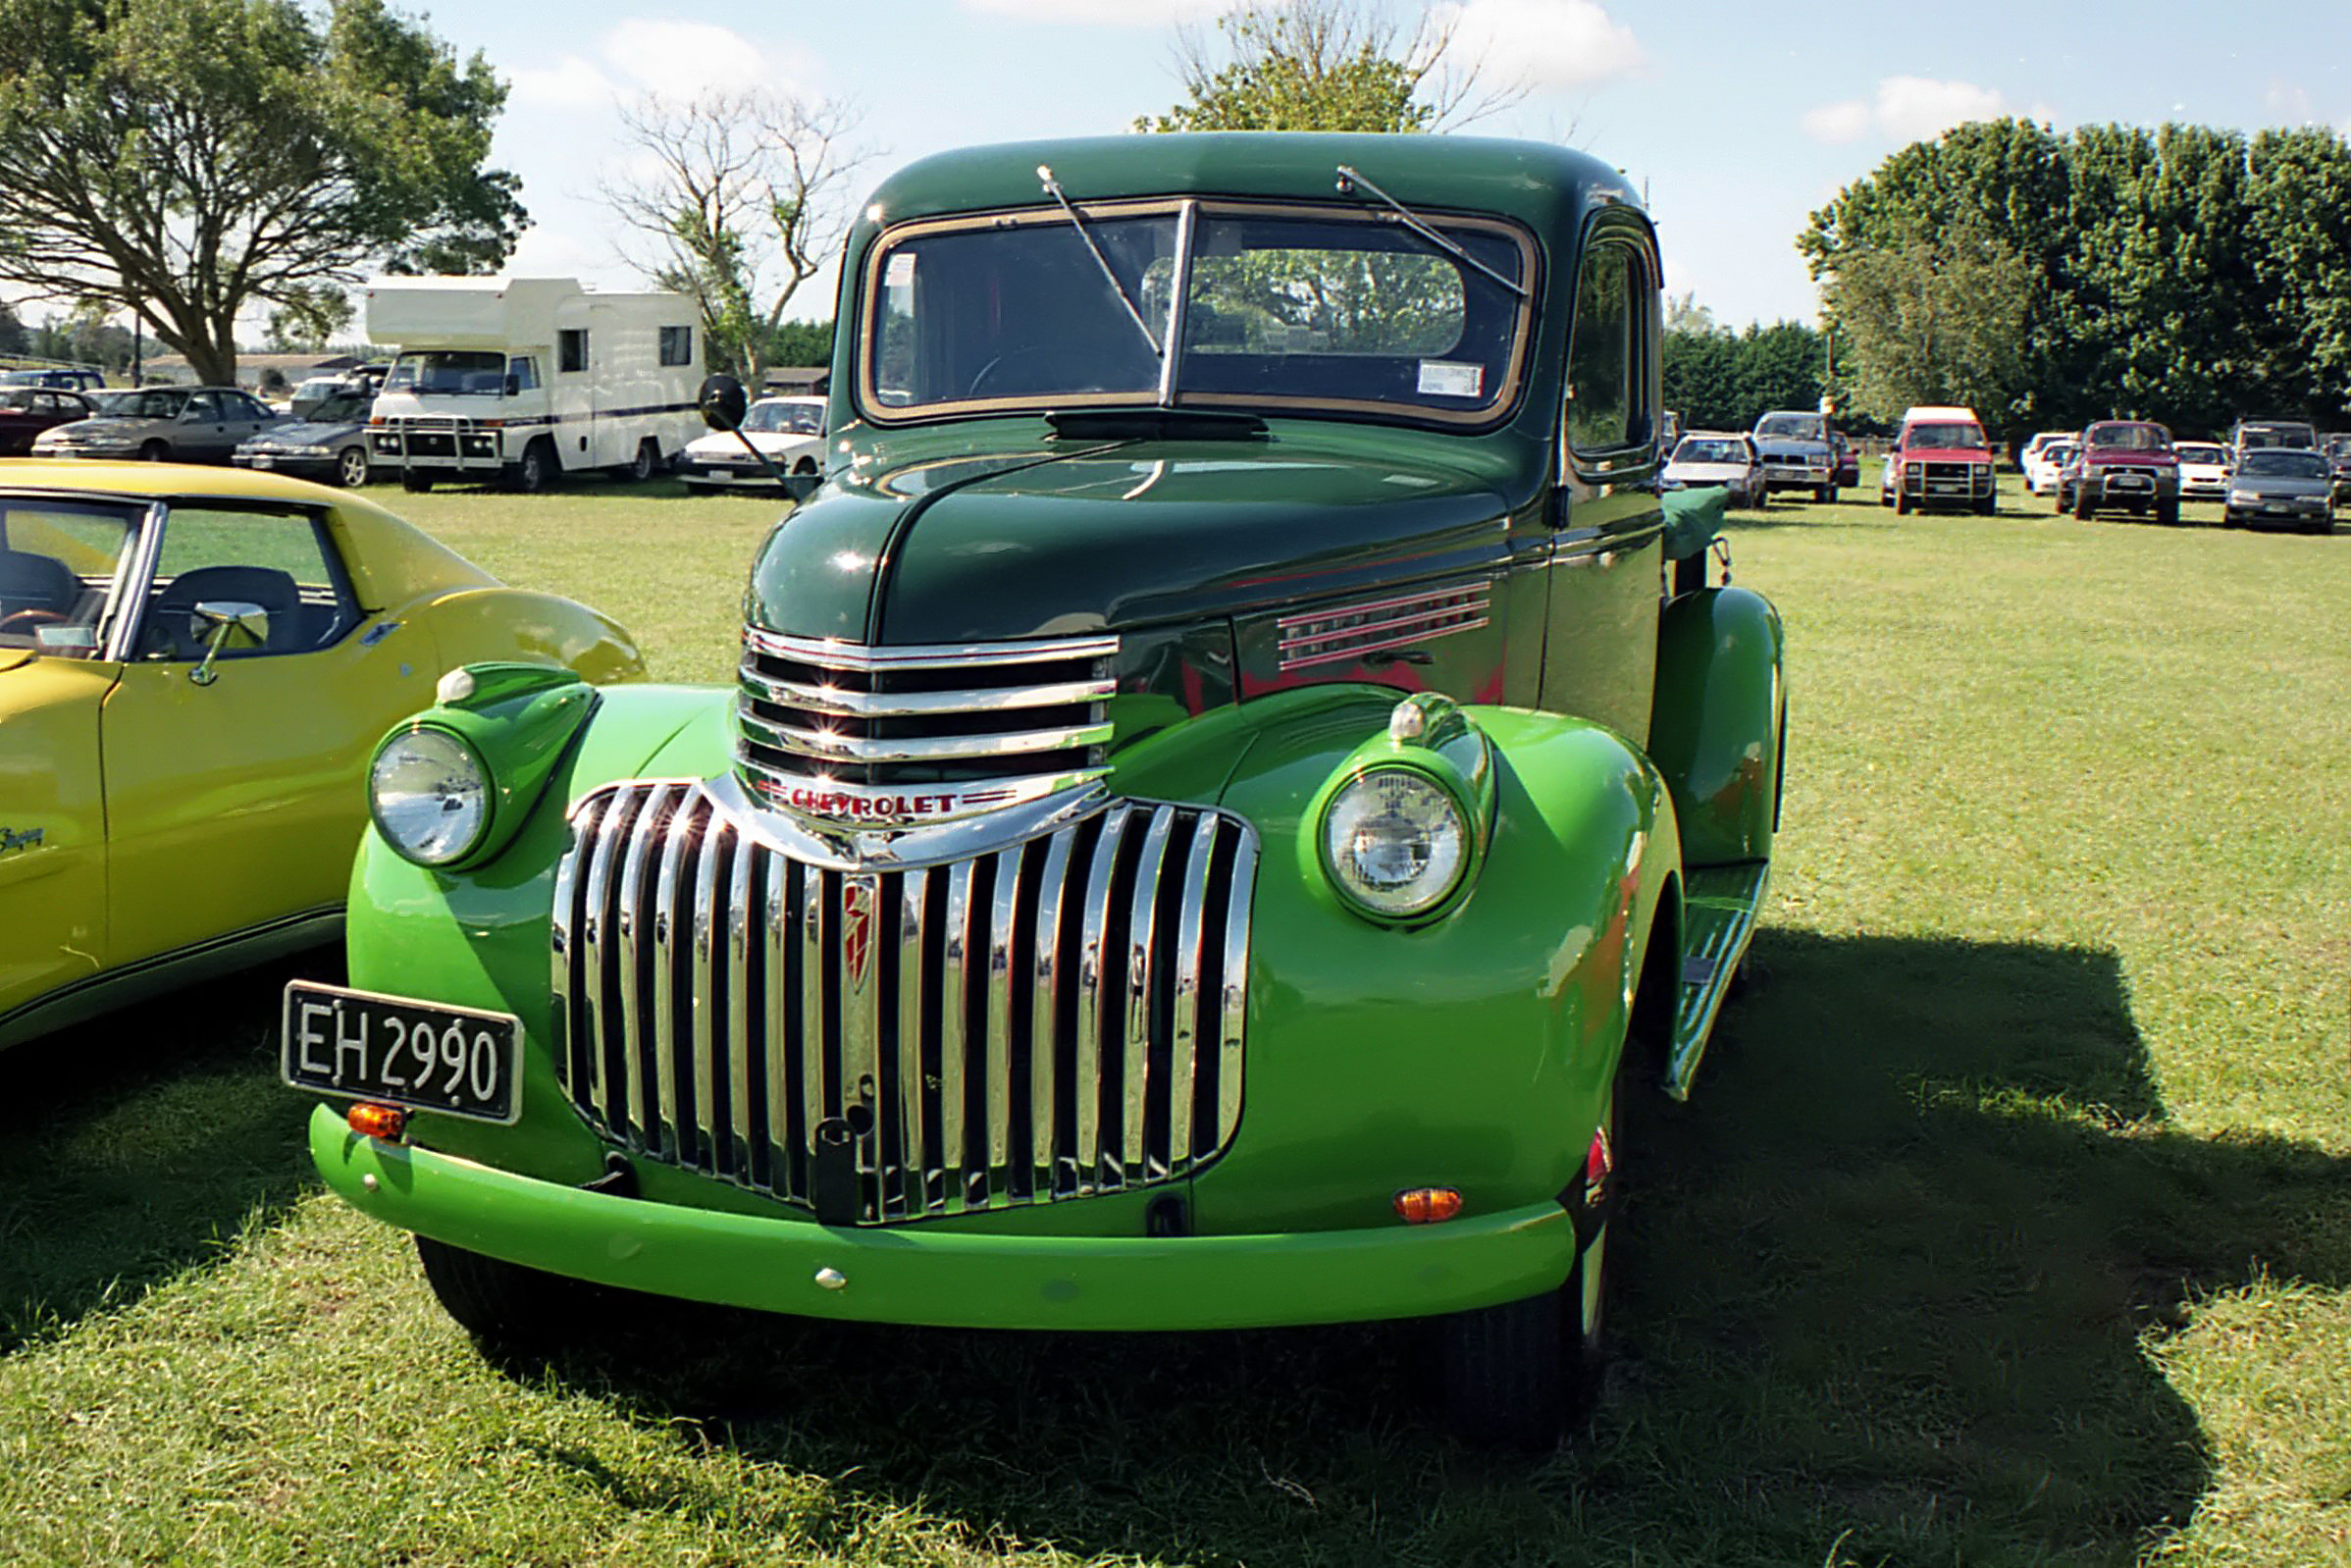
{"points": [[251, 368], [794, 380]]}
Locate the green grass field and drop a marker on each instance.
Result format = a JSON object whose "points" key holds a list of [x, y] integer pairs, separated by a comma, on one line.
{"points": [[2011, 1224]]}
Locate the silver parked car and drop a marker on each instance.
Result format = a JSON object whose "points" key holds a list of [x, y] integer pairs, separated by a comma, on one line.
{"points": [[2280, 487], [1708, 459], [162, 424]]}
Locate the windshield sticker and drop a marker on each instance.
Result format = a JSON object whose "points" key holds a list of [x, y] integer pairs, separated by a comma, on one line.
{"points": [[899, 271], [1452, 378], [66, 636]]}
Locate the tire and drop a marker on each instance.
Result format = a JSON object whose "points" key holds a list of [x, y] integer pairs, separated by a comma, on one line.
{"points": [[806, 466], [154, 452], [504, 1306], [535, 471], [1989, 505], [2229, 519], [2083, 508], [1826, 494], [1902, 503], [351, 467], [1524, 1374], [2167, 512], [647, 462], [414, 483], [2065, 503]]}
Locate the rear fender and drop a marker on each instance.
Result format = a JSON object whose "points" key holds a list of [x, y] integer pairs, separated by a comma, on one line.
{"points": [[1719, 721]]}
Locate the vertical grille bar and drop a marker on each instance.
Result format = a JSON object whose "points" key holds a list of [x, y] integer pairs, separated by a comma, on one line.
{"points": [[1087, 1069], [955, 988], [1002, 920], [1184, 1031], [727, 1143], [860, 1029], [1044, 1018], [1135, 1116], [1057, 1017], [913, 1092], [632, 1114], [1234, 1004]]}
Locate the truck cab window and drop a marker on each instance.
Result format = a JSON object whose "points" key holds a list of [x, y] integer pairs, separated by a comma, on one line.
{"points": [[571, 350], [1606, 370], [522, 374], [677, 345]]}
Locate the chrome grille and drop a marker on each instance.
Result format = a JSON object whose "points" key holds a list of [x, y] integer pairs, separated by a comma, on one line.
{"points": [[1059, 1018], [849, 730]]}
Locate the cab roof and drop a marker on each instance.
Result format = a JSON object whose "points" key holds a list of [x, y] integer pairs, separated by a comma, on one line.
{"points": [[1543, 184]]}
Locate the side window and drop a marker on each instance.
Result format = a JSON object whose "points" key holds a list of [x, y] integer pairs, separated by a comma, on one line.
{"points": [[278, 561], [204, 409], [571, 350], [677, 345], [523, 372], [1611, 351]]}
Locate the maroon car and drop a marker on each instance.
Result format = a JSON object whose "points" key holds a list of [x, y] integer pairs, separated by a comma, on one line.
{"points": [[27, 411], [2122, 464]]}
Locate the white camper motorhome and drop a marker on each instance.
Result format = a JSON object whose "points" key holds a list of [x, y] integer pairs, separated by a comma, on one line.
{"points": [[523, 380]]}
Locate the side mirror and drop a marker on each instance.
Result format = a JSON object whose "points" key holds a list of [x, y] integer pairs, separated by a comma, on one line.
{"points": [[723, 402], [225, 625]]}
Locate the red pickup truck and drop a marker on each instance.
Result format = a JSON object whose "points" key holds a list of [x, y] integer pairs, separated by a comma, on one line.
{"points": [[1940, 459]]}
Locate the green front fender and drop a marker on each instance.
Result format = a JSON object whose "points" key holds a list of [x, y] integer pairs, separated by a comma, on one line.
{"points": [[1475, 1052], [1721, 718]]}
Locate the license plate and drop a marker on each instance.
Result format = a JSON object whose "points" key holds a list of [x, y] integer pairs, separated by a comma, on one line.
{"points": [[364, 1046], [1946, 487], [2127, 482]]}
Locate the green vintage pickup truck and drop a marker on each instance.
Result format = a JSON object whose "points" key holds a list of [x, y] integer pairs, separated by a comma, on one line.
{"points": [[1233, 783]]}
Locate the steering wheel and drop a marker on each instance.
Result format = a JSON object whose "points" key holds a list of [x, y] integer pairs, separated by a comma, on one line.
{"points": [[1003, 362], [35, 617]]}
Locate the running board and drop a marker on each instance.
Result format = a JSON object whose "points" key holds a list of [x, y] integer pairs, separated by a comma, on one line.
{"points": [[1719, 904]]}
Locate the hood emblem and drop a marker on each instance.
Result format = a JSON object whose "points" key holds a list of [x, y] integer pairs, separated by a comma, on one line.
{"points": [[856, 929]]}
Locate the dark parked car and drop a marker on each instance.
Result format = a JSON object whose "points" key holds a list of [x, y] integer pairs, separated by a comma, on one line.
{"points": [[58, 378], [162, 424], [2339, 459], [329, 444], [27, 411], [2280, 487]]}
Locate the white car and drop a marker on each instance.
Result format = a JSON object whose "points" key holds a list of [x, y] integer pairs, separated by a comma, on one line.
{"points": [[2041, 439], [2202, 470], [789, 431], [2043, 464], [1707, 458]]}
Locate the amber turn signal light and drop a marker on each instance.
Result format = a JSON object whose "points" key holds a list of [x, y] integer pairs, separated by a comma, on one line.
{"points": [[1427, 1205], [373, 1121]]}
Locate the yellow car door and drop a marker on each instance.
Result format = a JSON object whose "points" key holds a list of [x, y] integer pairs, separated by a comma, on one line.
{"points": [[234, 783]]}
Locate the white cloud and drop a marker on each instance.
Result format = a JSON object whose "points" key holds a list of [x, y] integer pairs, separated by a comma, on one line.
{"points": [[1544, 43], [2288, 102], [571, 82], [1109, 13], [685, 59], [1907, 109]]}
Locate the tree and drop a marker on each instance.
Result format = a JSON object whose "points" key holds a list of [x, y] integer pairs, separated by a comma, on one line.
{"points": [[743, 198], [802, 343], [1325, 65], [13, 337], [1683, 313], [309, 321], [1937, 321], [1716, 378], [186, 159]]}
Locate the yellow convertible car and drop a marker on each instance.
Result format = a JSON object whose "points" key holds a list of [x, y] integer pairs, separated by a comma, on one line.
{"points": [[194, 667]]}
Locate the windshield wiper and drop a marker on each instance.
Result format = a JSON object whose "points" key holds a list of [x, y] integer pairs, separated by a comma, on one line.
{"points": [[1052, 188], [1348, 179]]}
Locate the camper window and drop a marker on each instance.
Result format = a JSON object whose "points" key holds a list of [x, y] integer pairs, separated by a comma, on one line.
{"points": [[677, 345], [571, 350]]}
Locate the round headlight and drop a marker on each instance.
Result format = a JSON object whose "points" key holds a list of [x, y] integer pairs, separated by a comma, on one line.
{"points": [[1395, 842], [430, 796]]}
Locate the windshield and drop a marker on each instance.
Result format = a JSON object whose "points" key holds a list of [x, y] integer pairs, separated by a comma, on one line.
{"points": [[786, 419], [2129, 438], [2196, 453], [2283, 462], [2252, 436], [447, 373], [1280, 309], [1939, 434], [1801, 426], [57, 567], [341, 409], [2058, 452], [1696, 450]]}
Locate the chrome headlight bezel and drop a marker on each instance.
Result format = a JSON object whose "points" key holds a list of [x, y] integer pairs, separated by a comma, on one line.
{"points": [[467, 769], [1451, 838]]}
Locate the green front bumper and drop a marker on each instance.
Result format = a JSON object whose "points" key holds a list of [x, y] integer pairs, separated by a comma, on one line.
{"points": [[950, 1279]]}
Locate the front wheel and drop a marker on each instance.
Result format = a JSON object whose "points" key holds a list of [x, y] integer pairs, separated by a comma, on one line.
{"points": [[351, 467], [2167, 512], [2083, 507], [414, 483], [154, 452], [1986, 506], [647, 461], [506, 1306], [535, 471], [1902, 503], [1826, 494]]}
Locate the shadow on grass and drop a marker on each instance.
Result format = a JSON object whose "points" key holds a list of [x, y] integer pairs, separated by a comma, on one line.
{"points": [[136, 1144], [1885, 1292], [588, 486]]}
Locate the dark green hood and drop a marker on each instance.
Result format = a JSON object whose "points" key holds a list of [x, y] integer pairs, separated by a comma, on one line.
{"points": [[1032, 543]]}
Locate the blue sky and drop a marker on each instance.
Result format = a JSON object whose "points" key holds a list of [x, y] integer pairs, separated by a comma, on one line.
{"points": [[1741, 117]]}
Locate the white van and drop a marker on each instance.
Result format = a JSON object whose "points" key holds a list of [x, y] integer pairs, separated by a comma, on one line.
{"points": [[522, 380]]}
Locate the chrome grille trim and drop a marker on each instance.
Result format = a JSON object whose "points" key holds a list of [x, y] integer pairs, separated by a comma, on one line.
{"points": [[890, 1044]]}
